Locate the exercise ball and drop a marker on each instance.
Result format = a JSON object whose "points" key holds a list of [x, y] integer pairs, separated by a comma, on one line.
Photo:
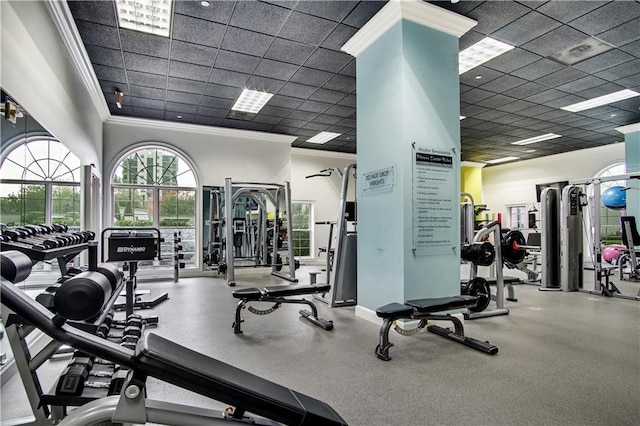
{"points": [[615, 198], [611, 254]]}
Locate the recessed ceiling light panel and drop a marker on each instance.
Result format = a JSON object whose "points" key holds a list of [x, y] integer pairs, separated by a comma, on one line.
{"points": [[323, 137], [148, 16], [481, 52], [540, 138], [502, 160], [251, 101], [601, 100]]}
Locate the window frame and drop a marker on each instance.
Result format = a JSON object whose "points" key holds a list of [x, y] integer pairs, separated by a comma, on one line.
{"points": [[311, 228]]}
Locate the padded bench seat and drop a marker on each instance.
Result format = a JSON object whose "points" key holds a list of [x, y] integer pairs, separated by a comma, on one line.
{"points": [[175, 364], [279, 295]]}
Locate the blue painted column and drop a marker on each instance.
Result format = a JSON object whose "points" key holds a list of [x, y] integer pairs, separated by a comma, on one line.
{"points": [[632, 160], [408, 103]]}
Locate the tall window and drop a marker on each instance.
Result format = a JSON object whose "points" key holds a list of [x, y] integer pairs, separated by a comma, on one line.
{"points": [[302, 218], [518, 217], [155, 187], [610, 232], [40, 183]]}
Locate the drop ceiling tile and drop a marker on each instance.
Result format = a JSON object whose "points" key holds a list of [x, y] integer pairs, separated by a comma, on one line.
{"points": [[632, 82], [490, 115], [303, 115], [103, 56], [297, 90], [314, 106], [527, 89], [333, 10], [340, 111], [538, 69], [564, 101], [193, 53], [284, 101], [561, 77], [306, 29], [284, 130], [327, 60], [149, 113], [327, 119], [534, 111], [315, 126], [546, 96], [603, 61], [147, 103], [508, 119], [181, 108], [217, 11], [311, 77], [189, 71], [261, 127], [526, 28], [235, 124], [554, 41], [98, 35], [249, 42], [566, 11], [147, 80], [349, 100], [143, 43], [267, 119], [260, 17], [211, 102], [179, 116], [514, 106], [325, 95], [581, 84], [485, 125], [607, 17], [149, 64], [111, 87], [294, 124], [495, 101], [289, 51], [632, 104], [620, 71], [275, 69], [233, 61], [632, 48], [114, 110], [472, 111], [212, 112], [503, 83], [228, 78], [275, 111], [220, 91], [475, 95], [109, 73], [364, 11], [486, 75], [491, 16], [100, 12], [623, 34], [183, 98], [512, 60], [263, 84], [349, 69], [183, 85], [197, 31], [469, 38], [338, 37]]}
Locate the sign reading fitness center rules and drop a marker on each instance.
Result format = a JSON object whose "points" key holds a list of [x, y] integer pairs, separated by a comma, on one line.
{"points": [[434, 207]]}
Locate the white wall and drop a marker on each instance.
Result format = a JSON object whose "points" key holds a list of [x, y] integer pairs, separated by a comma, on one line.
{"points": [[37, 71], [515, 183], [323, 192]]}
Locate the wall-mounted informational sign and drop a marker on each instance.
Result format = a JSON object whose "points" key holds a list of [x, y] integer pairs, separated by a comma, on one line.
{"points": [[376, 180], [435, 200]]}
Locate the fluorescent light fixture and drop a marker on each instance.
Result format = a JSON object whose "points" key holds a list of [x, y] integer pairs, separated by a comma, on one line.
{"points": [[251, 101], [601, 100], [529, 151], [481, 52], [462, 117], [323, 137], [502, 160], [148, 16], [536, 139]]}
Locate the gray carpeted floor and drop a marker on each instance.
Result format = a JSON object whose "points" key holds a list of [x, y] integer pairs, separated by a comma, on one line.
{"points": [[565, 359]]}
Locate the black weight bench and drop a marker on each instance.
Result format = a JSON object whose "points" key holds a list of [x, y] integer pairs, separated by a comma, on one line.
{"points": [[426, 310], [279, 295]]}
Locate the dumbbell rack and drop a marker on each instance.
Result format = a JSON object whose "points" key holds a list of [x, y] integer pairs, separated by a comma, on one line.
{"points": [[178, 256], [63, 255], [49, 405]]}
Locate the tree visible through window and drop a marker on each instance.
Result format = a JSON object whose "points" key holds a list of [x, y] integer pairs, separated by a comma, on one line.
{"points": [[302, 217]]}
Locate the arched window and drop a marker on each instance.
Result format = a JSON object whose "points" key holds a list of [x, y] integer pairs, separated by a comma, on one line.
{"points": [[40, 184], [155, 187]]}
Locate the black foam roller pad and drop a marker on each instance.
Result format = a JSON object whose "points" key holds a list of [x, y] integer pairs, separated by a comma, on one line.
{"points": [[113, 274], [15, 266], [83, 296]]}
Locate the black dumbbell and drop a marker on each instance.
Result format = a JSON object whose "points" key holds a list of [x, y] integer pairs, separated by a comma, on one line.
{"points": [[23, 236], [72, 379], [132, 331]]}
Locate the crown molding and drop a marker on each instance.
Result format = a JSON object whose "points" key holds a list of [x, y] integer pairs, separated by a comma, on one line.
{"points": [[197, 128], [323, 153], [416, 11], [472, 164], [629, 128], [61, 14]]}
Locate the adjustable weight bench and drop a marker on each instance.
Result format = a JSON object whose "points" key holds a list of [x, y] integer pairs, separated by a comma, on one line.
{"points": [[426, 310], [279, 295]]}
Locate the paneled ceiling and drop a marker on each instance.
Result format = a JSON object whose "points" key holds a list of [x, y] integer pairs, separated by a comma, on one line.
{"points": [[292, 49]]}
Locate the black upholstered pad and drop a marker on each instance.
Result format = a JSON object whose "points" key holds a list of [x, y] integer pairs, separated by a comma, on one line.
{"points": [[247, 293], [298, 290], [394, 310], [492, 281], [199, 373], [442, 303]]}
